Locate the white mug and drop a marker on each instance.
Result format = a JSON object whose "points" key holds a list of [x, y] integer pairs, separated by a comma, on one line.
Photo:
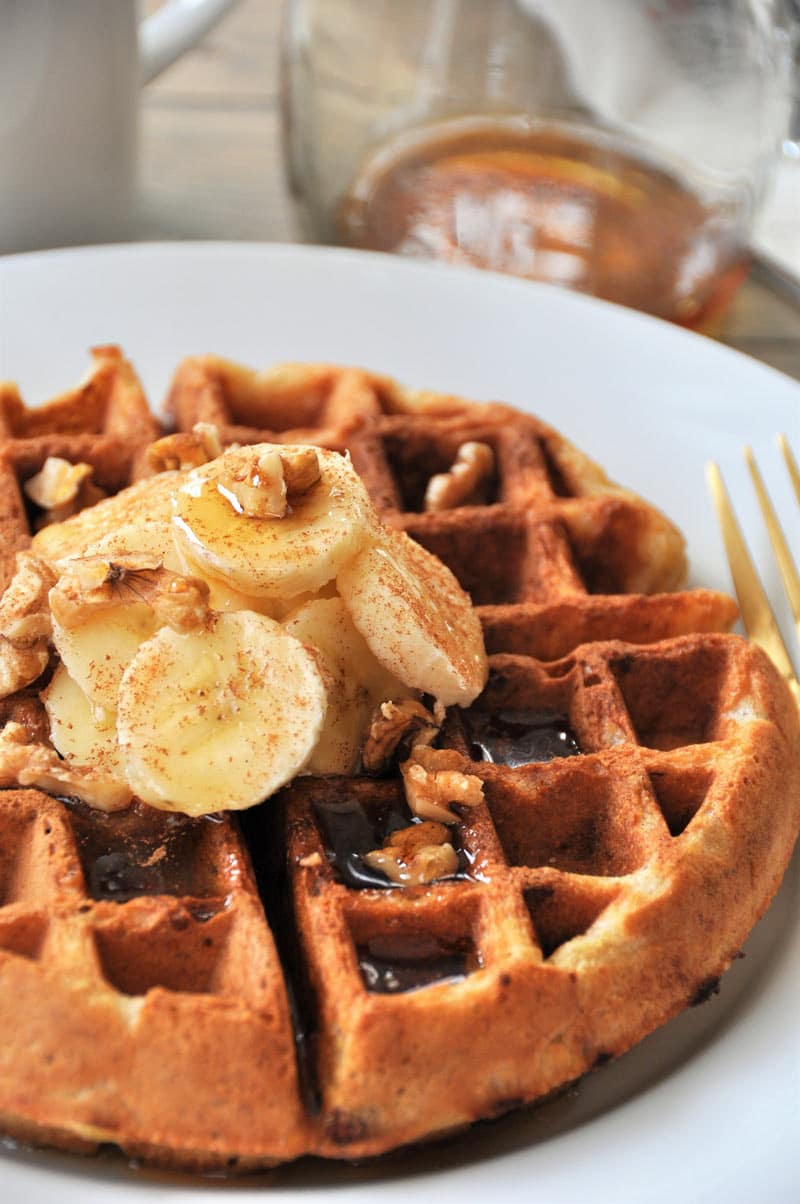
{"points": [[70, 73]]}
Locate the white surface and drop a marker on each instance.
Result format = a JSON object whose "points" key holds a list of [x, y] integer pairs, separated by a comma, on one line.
{"points": [[706, 1109]]}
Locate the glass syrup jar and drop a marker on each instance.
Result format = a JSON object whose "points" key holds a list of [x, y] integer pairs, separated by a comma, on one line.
{"points": [[616, 147]]}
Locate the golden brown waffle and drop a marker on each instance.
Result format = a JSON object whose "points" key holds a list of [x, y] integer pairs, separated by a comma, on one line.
{"points": [[555, 555], [214, 993], [602, 892], [104, 421], [142, 987]]}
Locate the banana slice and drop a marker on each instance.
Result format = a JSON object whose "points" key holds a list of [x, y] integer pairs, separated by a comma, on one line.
{"points": [[157, 539], [219, 718], [416, 618], [221, 527], [101, 610], [152, 537], [97, 652], [359, 682], [74, 730], [146, 501]]}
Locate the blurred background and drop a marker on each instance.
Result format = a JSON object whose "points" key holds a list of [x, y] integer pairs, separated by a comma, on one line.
{"points": [[215, 127], [211, 166]]}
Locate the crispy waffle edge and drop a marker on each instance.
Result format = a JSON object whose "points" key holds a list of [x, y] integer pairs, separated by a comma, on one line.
{"points": [[577, 940]]}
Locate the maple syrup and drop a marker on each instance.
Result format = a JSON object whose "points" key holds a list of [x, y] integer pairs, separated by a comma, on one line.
{"points": [[516, 738], [350, 830], [141, 851], [545, 205], [395, 964]]}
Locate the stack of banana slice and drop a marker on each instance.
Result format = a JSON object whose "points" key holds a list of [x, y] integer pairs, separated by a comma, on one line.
{"points": [[223, 627]]}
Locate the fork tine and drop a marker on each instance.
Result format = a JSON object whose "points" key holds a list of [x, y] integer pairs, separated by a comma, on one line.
{"points": [[791, 465], [791, 580], [757, 616]]}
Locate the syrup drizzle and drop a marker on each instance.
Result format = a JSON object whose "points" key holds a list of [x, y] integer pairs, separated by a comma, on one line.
{"points": [[515, 738], [392, 965], [349, 830], [141, 851]]}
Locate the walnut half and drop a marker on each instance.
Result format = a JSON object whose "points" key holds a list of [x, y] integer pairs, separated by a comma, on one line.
{"points": [[25, 626], [27, 763], [91, 584], [434, 778], [266, 482], [415, 855], [394, 723], [185, 449], [464, 481], [61, 488]]}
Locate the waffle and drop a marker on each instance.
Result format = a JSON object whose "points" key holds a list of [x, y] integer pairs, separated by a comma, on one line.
{"points": [[219, 993], [104, 421], [555, 555]]}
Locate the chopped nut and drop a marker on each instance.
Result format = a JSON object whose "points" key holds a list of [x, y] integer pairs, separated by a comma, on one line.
{"points": [[300, 470], [266, 483], [414, 855], [181, 602], [311, 861], [185, 449], [25, 626], [434, 777], [61, 489], [57, 482], [27, 710], [394, 723], [27, 764], [473, 468], [92, 583], [259, 487], [408, 841]]}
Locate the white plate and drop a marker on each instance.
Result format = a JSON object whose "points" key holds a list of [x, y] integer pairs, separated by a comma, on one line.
{"points": [[705, 1109]]}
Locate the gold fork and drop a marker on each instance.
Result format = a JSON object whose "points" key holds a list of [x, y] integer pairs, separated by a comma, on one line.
{"points": [[757, 615]]}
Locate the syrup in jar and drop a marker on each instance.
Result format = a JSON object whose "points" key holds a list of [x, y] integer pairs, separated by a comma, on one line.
{"points": [[541, 203]]}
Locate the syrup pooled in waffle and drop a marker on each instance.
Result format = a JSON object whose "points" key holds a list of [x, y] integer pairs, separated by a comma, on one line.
{"points": [[552, 553], [220, 992], [640, 806], [598, 893]]}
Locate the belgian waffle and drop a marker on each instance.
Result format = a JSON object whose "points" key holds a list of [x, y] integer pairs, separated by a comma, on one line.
{"points": [[104, 421], [555, 555], [208, 993]]}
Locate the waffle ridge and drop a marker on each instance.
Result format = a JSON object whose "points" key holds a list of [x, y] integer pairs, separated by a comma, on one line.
{"points": [[218, 994], [560, 555]]}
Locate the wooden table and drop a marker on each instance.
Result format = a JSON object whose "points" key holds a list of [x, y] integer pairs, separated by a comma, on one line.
{"points": [[211, 167]]}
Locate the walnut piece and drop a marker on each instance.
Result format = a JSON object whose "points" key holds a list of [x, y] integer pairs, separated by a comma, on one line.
{"points": [[57, 482], [92, 583], [23, 763], [61, 489], [301, 470], [472, 468], [311, 860], [415, 855], [185, 449], [394, 723], [27, 710], [266, 483], [25, 626], [434, 777]]}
